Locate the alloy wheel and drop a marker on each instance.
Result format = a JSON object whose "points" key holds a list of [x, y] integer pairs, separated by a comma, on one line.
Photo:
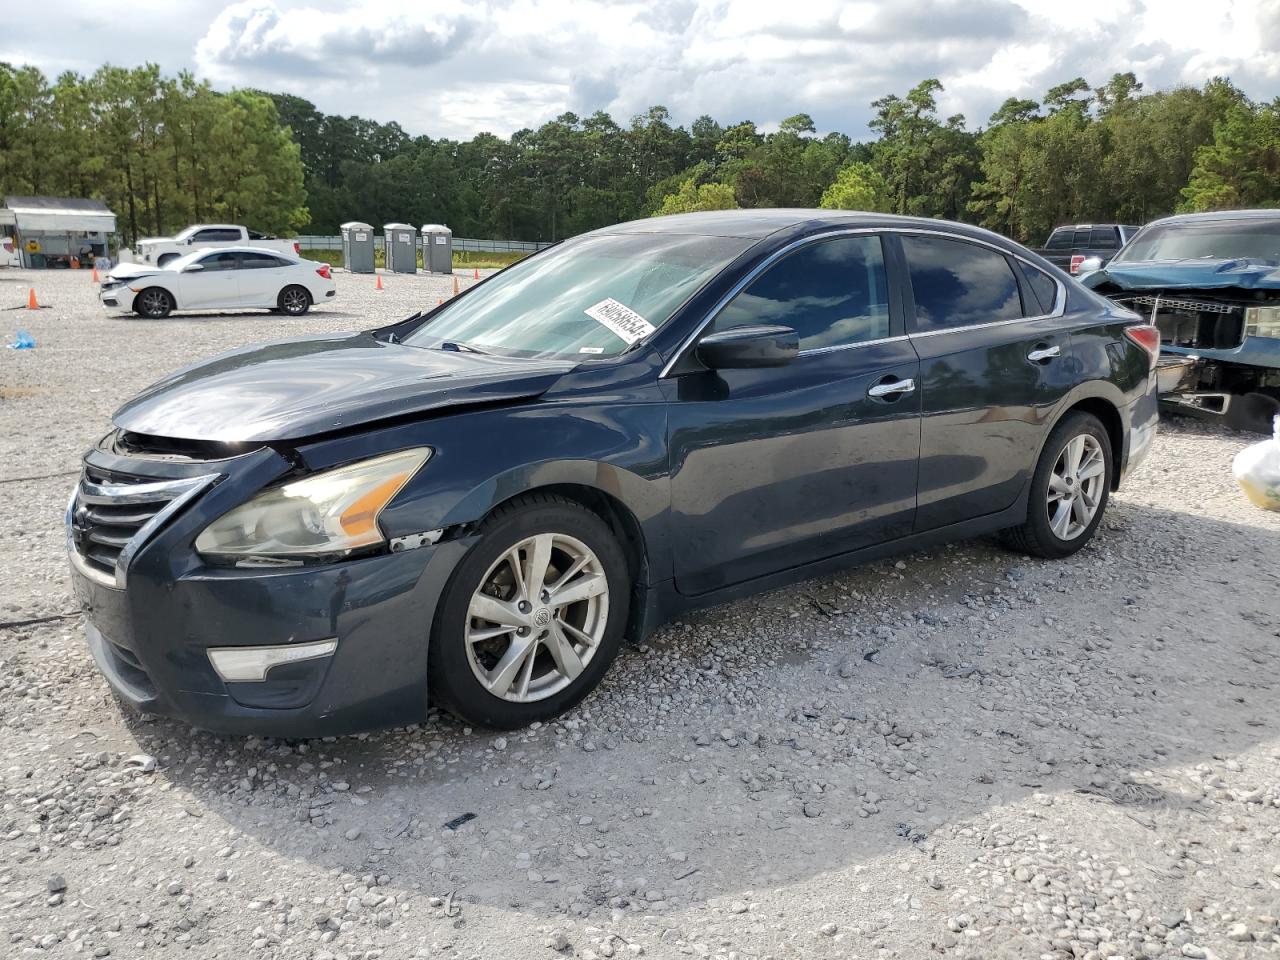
{"points": [[155, 303], [1076, 486], [293, 300], [538, 618]]}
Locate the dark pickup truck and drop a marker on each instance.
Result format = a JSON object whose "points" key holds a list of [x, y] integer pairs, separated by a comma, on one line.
{"points": [[1069, 246]]}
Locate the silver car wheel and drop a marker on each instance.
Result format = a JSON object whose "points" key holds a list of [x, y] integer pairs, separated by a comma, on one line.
{"points": [[1076, 486], [538, 618]]}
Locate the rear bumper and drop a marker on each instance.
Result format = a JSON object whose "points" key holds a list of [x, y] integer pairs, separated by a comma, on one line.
{"points": [[1143, 420]]}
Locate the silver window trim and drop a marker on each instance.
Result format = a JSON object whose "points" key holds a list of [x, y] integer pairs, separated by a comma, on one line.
{"points": [[1059, 305], [849, 346]]}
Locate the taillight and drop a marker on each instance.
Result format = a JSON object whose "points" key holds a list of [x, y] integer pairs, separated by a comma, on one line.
{"points": [[297, 247], [1076, 260], [323, 270], [1147, 336]]}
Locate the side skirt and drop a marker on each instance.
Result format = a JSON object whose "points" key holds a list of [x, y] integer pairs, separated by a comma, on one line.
{"points": [[665, 603]]}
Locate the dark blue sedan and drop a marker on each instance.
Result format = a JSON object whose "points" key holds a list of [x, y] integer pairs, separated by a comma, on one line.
{"points": [[478, 504]]}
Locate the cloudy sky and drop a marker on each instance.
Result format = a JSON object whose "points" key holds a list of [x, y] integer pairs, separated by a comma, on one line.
{"points": [[499, 65]]}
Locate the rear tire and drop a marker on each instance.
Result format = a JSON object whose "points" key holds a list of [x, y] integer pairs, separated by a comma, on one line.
{"points": [[154, 303], [1069, 490], [478, 666], [294, 301]]}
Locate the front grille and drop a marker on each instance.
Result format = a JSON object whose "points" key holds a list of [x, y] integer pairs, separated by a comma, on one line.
{"points": [[1191, 306], [112, 514]]}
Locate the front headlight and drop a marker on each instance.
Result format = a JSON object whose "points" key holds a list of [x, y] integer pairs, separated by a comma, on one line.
{"points": [[331, 512], [1262, 322]]}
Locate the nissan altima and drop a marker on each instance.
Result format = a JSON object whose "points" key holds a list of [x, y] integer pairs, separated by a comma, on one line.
{"points": [[475, 506]]}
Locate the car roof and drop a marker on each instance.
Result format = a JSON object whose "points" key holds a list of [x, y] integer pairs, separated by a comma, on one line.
{"points": [[758, 224], [244, 248], [1220, 215]]}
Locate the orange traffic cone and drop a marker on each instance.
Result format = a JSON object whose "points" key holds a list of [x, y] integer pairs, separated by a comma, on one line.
{"points": [[94, 278], [476, 275], [32, 303], [455, 285], [379, 284]]}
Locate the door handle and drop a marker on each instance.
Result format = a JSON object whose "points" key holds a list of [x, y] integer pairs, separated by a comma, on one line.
{"points": [[1043, 353], [891, 388]]}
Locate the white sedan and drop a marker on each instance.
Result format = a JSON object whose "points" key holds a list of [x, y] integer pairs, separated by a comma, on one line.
{"points": [[224, 279]]}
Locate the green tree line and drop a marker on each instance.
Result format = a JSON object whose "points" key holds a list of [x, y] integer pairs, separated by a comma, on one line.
{"points": [[164, 152]]}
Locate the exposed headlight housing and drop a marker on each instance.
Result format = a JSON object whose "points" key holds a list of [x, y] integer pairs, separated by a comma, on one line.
{"points": [[330, 513], [1262, 322]]}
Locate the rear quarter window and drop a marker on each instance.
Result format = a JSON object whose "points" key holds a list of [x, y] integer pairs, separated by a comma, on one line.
{"points": [[1043, 288]]}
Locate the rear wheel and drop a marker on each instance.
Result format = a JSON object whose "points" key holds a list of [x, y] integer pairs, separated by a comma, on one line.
{"points": [[532, 617], [295, 301], [154, 303], [1069, 490]]}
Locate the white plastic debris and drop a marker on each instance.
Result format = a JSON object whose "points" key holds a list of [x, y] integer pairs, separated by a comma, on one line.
{"points": [[1257, 470]]}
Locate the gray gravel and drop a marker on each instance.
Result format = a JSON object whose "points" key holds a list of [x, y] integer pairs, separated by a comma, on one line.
{"points": [[961, 753]]}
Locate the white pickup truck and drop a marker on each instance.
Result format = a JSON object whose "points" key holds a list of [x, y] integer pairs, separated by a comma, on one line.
{"points": [[160, 250]]}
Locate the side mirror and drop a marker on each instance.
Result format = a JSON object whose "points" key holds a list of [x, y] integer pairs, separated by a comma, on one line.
{"points": [[1089, 265], [748, 347], [193, 268]]}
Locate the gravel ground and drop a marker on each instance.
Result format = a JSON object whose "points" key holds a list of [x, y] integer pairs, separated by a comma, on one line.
{"points": [[963, 752]]}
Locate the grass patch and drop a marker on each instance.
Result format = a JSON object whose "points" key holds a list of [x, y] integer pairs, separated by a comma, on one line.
{"points": [[462, 259]]}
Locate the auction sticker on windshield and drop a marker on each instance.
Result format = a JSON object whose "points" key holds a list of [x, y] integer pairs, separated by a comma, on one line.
{"points": [[620, 319]]}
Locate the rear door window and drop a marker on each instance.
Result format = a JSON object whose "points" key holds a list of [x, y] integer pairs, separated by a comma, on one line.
{"points": [[258, 261], [832, 293], [959, 284], [1080, 238]]}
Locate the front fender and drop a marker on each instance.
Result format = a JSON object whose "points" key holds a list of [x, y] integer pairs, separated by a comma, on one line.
{"points": [[484, 457]]}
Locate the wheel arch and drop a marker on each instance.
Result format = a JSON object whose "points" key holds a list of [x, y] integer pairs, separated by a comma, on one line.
{"points": [[1107, 410], [622, 522], [149, 285]]}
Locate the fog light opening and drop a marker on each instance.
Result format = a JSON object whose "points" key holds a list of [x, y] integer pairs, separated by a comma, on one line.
{"points": [[250, 664]]}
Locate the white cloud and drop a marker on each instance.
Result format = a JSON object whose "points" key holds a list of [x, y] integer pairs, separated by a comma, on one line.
{"points": [[452, 70]]}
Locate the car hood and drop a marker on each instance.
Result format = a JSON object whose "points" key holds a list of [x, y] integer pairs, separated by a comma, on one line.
{"points": [[299, 388], [151, 241], [1202, 274], [127, 271]]}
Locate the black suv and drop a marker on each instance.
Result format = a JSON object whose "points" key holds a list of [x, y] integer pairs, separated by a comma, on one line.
{"points": [[478, 503]]}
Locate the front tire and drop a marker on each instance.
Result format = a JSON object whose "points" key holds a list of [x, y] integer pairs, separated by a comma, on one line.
{"points": [[294, 301], [532, 617], [1069, 490], [154, 303]]}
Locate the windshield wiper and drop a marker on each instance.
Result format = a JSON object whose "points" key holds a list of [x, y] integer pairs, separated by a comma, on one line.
{"points": [[458, 347]]}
